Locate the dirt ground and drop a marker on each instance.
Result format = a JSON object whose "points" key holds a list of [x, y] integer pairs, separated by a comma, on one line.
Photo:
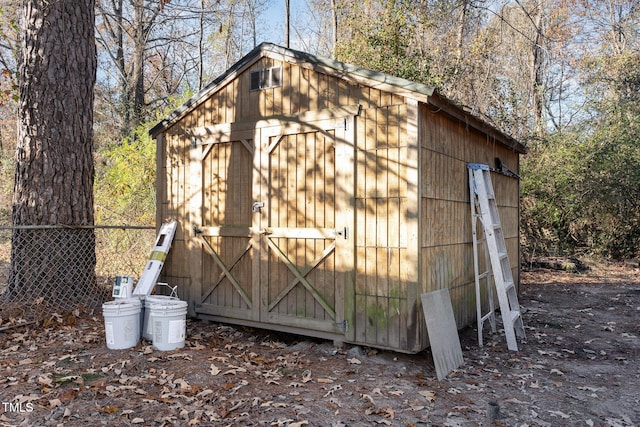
{"points": [[580, 366]]}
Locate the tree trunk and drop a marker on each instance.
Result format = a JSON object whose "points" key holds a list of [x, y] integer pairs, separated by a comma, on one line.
{"points": [[334, 28], [537, 71], [287, 25], [136, 84], [54, 159]]}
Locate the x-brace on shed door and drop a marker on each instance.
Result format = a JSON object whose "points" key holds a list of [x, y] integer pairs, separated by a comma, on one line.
{"points": [[275, 237], [222, 175]]}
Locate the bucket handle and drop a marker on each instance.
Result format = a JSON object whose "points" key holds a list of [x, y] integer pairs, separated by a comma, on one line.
{"points": [[174, 289]]}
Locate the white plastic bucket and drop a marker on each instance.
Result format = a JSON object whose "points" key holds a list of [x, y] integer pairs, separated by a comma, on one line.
{"points": [[122, 323], [169, 324], [147, 326]]}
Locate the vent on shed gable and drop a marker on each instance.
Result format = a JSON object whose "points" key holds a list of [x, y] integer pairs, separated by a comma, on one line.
{"points": [[265, 78]]}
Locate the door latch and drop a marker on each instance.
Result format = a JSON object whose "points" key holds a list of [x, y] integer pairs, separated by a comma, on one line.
{"points": [[344, 232], [257, 206]]}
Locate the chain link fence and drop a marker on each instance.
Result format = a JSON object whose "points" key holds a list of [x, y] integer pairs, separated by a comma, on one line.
{"points": [[59, 268]]}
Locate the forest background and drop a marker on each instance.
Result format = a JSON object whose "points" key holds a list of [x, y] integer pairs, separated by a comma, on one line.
{"points": [[561, 76]]}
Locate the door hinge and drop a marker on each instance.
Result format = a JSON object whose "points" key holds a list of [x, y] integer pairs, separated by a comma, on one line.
{"points": [[196, 230], [344, 326]]}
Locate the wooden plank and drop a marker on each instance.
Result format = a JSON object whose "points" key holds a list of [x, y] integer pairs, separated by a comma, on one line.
{"points": [[344, 92], [310, 120], [382, 322], [361, 168], [277, 92], [226, 231], [411, 267], [373, 311], [194, 201], [394, 323], [300, 174], [304, 90], [359, 328], [360, 222], [371, 222], [287, 88], [315, 169], [314, 91], [260, 219], [382, 223], [295, 89], [301, 233], [394, 212], [382, 272]]}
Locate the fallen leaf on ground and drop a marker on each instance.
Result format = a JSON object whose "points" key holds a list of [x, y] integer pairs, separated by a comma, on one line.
{"points": [[559, 414], [110, 409], [367, 397], [428, 394]]}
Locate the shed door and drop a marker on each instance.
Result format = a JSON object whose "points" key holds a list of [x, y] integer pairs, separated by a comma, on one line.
{"points": [[226, 236], [300, 286], [272, 223]]}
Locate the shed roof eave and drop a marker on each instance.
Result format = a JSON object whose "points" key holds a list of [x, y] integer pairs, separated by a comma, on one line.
{"points": [[459, 113], [344, 71], [203, 94]]}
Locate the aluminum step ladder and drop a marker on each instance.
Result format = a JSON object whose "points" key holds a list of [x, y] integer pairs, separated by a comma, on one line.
{"points": [[486, 275], [484, 207]]}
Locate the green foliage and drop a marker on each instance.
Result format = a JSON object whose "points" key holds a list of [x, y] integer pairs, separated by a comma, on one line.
{"points": [[125, 180], [125, 184], [384, 43], [581, 191], [583, 195]]}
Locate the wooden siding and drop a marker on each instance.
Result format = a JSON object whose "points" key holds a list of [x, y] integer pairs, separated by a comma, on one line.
{"points": [[381, 229], [172, 182], [445, 232]]}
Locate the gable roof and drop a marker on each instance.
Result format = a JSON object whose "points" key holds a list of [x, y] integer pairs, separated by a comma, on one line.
{"points": [[403, 87]]}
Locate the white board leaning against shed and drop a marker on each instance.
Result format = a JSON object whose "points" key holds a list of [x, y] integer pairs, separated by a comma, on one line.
{"points": [[443, 333], [156, 260]]}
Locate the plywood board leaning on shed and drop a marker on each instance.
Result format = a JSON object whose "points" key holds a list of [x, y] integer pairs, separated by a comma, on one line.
{"points": [[443, 333]]}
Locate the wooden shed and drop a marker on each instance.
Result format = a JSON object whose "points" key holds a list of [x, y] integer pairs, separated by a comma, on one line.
{"points": [[323, 199]]}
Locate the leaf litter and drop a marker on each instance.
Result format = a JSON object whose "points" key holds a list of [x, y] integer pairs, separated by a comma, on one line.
{"points": [[59, 372]]}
